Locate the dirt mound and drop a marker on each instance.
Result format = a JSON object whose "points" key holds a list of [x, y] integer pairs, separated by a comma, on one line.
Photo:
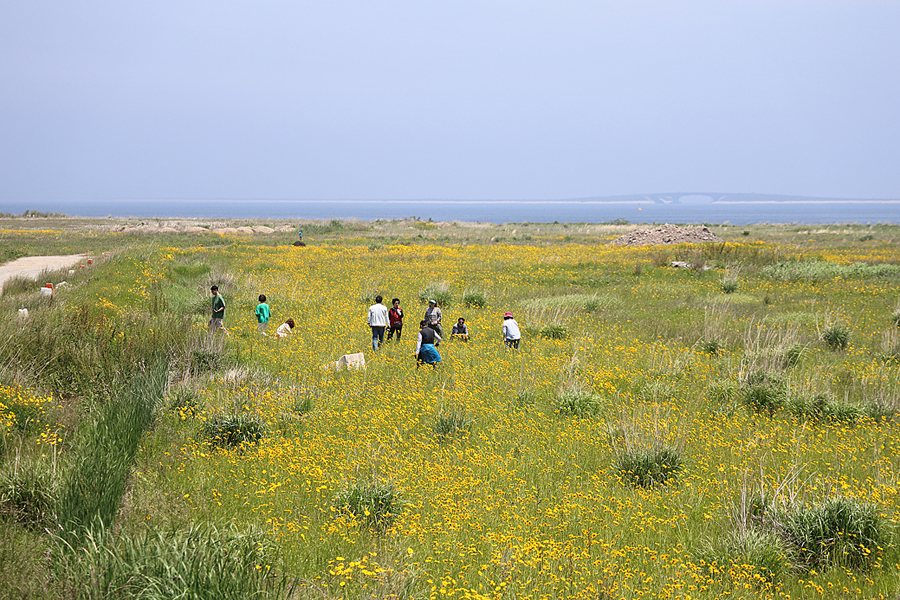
{"points": [[667, 234]]}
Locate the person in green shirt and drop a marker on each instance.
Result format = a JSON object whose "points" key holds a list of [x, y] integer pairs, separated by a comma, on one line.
{"points": [[218, 310], [262, 314]]}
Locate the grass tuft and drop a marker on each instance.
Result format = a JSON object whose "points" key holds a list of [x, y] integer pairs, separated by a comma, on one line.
{"points": [[375, 502], [837, 337], [202, 561], [451, 423], [649, 467], [233, 430], [475, 298], [437, 291], [554, 332], [841, 532], [578, 403], [28, 494]]}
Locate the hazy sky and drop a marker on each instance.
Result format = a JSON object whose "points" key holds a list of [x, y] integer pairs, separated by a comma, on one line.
{"points": [[427, 99]]}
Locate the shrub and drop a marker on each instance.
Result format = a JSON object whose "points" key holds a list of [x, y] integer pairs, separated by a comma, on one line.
{"points": [[840, 531], [451, 423], [578, 403], [439, 292], [28, 494], [837, 337], [474, 298], [376, 502], [233, 430], [200, 562], [649, 467], [554, 332]]}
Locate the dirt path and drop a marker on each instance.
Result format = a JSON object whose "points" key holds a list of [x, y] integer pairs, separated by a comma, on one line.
{"points": [[33, 266]]}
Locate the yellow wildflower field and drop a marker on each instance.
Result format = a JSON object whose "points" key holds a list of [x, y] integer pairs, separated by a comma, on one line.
{"points": [[525, 498]]}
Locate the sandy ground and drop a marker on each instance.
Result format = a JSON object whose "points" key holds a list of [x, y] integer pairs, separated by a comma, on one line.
{"points": [[33, 266]]}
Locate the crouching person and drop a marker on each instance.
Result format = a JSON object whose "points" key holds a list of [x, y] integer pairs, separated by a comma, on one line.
{"points": [[426, 351]]}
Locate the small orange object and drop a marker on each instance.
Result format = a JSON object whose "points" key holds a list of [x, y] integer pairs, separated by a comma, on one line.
{"points": [[49, 285]]}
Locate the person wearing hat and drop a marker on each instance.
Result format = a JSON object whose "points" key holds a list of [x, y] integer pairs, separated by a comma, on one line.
{"points": [[511, 333], [433, 317]]}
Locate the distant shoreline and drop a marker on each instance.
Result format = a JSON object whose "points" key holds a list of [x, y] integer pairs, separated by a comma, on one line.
{"points": [[676, 208]]}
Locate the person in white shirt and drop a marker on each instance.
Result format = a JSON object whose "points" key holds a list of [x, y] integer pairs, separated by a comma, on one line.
{"points": [[285, 329], [377, 320], [511, 334]]}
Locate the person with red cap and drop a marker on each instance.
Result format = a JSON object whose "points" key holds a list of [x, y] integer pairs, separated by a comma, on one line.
{"points": [[511, 333]]}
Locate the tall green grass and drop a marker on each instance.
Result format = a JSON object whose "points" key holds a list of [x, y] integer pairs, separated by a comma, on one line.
{"points": [[92, 490], [200, 562]]}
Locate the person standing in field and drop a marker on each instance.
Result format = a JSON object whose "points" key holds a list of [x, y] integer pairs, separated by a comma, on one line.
{"points": [[218, 310], [511, 333], [262, 314], [377, 320], [433, 317], [395, 319]]}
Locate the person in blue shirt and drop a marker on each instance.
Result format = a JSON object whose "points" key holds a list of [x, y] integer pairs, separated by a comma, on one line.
{"points": [[262, 314]]}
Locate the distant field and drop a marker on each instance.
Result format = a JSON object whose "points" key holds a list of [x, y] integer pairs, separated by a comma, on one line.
{"points": [[729, 429]]}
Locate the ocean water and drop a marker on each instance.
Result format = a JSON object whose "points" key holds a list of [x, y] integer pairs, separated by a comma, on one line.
{"points": [[487, 211]]}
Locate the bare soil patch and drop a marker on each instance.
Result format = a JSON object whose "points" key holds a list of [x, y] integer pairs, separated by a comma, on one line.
{"points": [[33, 266], [667, 234]]}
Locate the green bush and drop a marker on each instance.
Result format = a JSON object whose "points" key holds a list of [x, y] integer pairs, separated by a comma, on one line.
{"points": [[578, 403], [475, 299], [554, 332], [729, 287], [837, 337], [233, 430], [840, 531], [649, 467], [375, 502]]}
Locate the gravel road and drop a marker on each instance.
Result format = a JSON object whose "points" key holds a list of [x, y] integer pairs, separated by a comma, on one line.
{"points": [[33, 266]]}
